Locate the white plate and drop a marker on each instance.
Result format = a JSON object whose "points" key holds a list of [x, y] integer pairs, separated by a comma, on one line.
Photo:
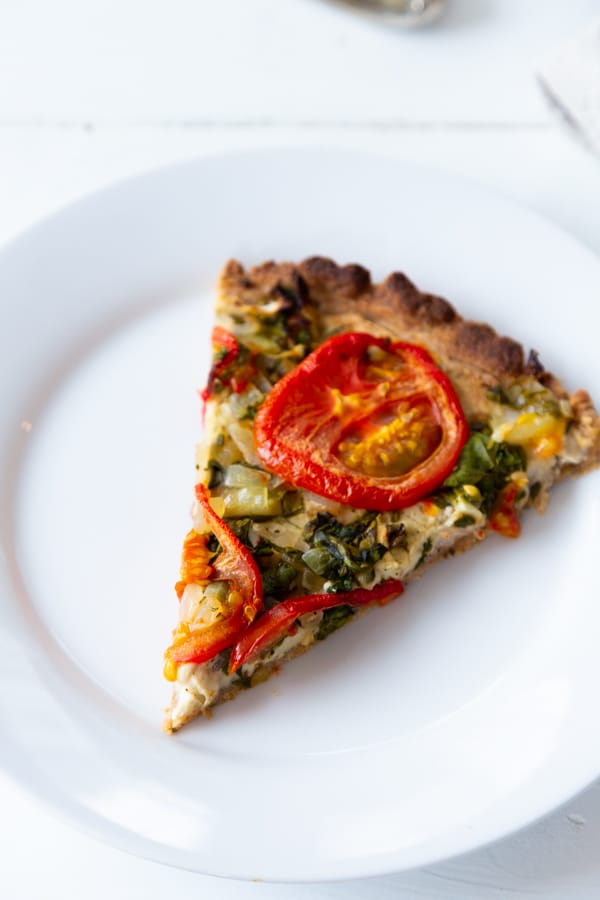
{"points": [[444, 721]]}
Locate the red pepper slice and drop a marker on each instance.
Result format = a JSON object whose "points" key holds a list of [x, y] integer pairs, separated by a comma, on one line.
{"points": [[363, 421], [277, 622], [235, 565], [225, 351], [504, 518]]}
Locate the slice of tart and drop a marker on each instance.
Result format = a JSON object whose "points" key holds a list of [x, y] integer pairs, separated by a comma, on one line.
{"points": [[354, 433]]}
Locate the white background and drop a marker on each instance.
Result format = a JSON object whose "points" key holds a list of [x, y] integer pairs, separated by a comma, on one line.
{"points": [[95, 90]]}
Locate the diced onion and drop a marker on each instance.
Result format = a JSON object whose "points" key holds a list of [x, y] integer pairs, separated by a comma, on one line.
{"points": [[239, 475], [255, 500], [239, 403], [243, 436]]}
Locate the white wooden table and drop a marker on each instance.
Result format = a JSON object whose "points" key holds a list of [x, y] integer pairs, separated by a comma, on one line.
{"points": [[92, 92]]}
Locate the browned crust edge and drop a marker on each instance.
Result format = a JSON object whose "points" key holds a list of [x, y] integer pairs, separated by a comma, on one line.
{"points": [[396, 304]]}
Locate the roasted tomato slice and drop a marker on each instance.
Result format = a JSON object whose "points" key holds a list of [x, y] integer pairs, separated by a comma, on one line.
{"points": [[240, 601], [364, 421], [278, 621]]}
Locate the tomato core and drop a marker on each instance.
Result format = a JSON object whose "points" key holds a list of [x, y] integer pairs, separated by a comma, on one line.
{"points": [[390, 442]]}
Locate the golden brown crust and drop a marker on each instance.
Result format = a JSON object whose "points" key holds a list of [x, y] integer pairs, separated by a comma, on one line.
{"points": [[397, 306], [588, 431]]}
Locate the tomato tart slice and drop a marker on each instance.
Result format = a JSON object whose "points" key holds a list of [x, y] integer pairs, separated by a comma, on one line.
{"points": [[354, 433]]}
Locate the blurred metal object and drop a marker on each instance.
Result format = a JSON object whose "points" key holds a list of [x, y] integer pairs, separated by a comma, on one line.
{"points": [[407, 13]]}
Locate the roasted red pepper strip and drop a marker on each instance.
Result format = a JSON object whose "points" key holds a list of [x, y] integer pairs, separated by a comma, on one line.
{"points": [[504, 518], [363, 421], [225, 349], [198, 646], [226, 352], [274, 624], [235, 565]]}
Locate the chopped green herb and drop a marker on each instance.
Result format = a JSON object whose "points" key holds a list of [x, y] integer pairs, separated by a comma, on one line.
{"points": [[244, 681], [532, 396], [213, 545], [338, 551], [464, 521], [216, 473], [396, 536], [277, 580], [318, 560], [241, 529], [425, 551], [333, 619], [534, 490], [250, 413], [487, 464], [498, 395]]}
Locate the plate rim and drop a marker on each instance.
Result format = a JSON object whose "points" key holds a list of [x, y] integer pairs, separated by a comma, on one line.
{"points": [[167, 170]]}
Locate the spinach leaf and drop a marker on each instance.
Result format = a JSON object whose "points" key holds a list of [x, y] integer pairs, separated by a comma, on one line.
{"points": [[464, 521], [277, 579], [474, 462], [338, 551], [333, 619], [425, 551], [241, 529], [487, 464]]}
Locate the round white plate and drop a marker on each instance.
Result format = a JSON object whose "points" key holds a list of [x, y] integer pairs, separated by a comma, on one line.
{"points": [[457, 714]]}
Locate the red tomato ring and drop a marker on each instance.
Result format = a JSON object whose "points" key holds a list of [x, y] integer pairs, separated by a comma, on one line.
{"points": [[364, 421]]}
